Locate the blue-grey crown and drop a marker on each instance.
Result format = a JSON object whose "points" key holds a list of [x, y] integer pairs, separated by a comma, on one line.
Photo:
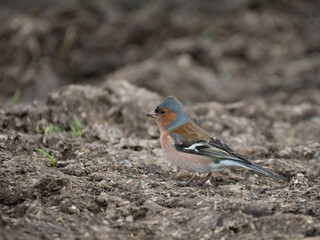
{"points": [[173, 104]]}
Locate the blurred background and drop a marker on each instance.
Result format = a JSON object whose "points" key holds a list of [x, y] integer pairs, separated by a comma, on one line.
{"points": [[77, 78], [200, 51]]}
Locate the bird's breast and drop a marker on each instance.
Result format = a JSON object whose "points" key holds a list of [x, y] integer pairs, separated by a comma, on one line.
{"points": [[190, 162]]}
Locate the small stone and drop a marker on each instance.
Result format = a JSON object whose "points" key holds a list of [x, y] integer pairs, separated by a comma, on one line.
{"points": [[80, 153], [143, 184], [127, 163], [2, 222], [283, 153], [73, 209], [252, 179], [153, 207], [3, 137], [232, 188], [300, 175], [129, 218]]}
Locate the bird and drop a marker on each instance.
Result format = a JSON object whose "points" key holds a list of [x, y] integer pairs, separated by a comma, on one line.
{"points": [[192, 148]]}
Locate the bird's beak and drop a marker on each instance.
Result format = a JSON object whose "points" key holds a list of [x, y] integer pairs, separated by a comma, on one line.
{"points": [[152, 114]]}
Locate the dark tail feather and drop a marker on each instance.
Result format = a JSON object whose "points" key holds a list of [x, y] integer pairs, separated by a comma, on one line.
{"points": [[262, 170]]}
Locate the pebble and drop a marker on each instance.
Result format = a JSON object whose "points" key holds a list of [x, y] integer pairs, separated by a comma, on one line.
{"points": [[143, 184], [3, 137], [300, 175], [129, 218], [232, 188], [73, 209], [252, 179], [127, 163]]}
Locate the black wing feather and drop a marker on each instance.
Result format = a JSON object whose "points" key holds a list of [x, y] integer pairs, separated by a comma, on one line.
{"points": [[199, 147], [216, 142]]}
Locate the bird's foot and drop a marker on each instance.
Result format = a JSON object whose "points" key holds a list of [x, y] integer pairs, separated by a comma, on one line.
{"points": [[191, 183], [188, 183], [205, 179]]}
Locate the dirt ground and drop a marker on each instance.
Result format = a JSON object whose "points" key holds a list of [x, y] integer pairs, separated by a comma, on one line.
{"points": [[77, 77]]}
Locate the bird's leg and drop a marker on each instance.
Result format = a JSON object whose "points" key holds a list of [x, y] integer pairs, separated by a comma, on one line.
{"points": [[205, 179], [191, 180], [188, 183]]}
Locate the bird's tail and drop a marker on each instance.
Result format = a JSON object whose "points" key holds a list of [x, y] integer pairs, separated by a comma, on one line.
{"points": [[262, 170]]}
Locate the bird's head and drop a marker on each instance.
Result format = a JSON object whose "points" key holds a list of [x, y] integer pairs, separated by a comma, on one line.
{"points": [[169, 114]]}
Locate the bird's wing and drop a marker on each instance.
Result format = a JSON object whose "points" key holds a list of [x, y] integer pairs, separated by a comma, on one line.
{"points": [[217, 143], [214, 148], [220, 152]]}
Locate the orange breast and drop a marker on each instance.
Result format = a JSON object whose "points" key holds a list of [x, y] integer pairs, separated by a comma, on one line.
{"points": [[187, 161]]}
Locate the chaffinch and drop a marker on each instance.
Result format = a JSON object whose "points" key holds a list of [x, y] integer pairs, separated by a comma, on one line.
{"points": [[192, 148]]}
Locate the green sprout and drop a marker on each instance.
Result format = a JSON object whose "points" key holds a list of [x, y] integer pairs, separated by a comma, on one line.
{"points": [[223, 70], [38, 129], [15, 96], [293, 132], [49, 129], [44, 128], [213, 34], [49, 156], [77, 127]]}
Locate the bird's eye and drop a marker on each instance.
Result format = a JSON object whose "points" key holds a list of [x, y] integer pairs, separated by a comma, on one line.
{"points": [[162, 112]]}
